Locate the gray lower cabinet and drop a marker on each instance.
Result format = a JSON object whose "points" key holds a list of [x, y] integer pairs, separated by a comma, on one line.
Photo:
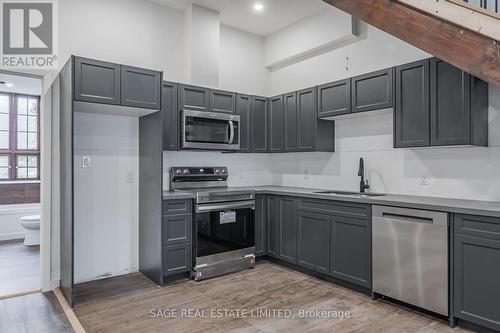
{"points": [[275, 126], [459, 106], [334, 98], [176, 236], [170, 116], [477, 270], [140, 88], [313, 244], [260, 225], [222, 101], [272, 226], [176, 259], [97, 81], [244, 110], [287, 229], [372, 91], [412, 108], [290, 122], [351, 250], [260, 142], [194, 98]]}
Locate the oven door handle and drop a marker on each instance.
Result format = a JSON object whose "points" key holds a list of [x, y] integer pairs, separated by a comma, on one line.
{"points": [[231, 132], [224, 206]]}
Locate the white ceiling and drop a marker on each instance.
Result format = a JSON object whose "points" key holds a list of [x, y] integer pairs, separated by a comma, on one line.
{"points": [[22, 84], [277, 14]]}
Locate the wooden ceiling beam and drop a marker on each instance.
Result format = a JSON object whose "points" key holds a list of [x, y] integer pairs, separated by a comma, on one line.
{"points": [[474, 53]]}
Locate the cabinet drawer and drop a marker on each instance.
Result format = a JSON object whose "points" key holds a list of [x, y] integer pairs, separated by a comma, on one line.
{"points": [[176, 229], [482, 226], [337, 208], [175, 207], [176, 259]]}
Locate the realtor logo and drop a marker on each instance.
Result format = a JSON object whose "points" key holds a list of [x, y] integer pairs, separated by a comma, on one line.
{"points": [[28, 33]]}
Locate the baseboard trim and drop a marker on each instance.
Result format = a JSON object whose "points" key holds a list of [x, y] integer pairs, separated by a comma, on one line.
{"points": [[12, 236], [19, 294]]}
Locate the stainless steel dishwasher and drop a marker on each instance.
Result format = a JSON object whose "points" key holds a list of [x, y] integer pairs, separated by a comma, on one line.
{"points": [[410, 256]]}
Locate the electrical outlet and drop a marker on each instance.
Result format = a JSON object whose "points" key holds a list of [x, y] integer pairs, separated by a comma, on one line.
{"points": [[86, 162], [423, 180]]}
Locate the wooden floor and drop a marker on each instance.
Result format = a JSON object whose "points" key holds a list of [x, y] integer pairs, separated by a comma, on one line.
{"points": [[19, 267], [34, 313], [125, 304]]}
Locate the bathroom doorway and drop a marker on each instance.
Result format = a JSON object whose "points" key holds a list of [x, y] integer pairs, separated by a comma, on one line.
{"points": [[20, 183]]}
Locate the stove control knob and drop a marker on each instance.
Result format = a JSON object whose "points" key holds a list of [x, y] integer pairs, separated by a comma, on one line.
{"points": [[223, 171], [178, 172], [216, 171], [185, 171]]}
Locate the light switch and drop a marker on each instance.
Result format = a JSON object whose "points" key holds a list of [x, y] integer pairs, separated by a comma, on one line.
{"points": [[85, 162]]}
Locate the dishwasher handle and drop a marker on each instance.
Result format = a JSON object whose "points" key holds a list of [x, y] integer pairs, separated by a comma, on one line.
{"points": [[409, 215]]}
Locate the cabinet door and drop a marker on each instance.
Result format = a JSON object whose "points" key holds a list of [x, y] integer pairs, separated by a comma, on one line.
{"points": [[276, 124], [287, 230], [307, 119], [272, 226], [222, 101], [334, 98], [412, 109], [313, 241], [244, 110], [476, 280], [176, 229], [260, 124], [351, 246], [260, 225], [290, 122], [141, 88], [372, 91], [97, 81], [194, 98], [176, 259], [170, 116], [450, 105]]}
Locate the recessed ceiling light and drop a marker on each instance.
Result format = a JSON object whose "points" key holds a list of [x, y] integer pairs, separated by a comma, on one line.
{"points": [[258, 7]]}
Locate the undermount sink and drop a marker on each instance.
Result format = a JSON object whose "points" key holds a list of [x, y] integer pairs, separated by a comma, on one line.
{"points": [[350, 194]]}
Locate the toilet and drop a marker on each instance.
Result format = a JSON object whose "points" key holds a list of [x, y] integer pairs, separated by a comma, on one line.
{"points": [[32, 224]]}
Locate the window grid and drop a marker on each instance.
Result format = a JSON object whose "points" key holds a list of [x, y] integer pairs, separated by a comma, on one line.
{"points": [[19, 125]]}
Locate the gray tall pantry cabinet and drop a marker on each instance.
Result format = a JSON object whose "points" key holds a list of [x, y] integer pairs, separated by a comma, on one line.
{"points": [[88, 85]]}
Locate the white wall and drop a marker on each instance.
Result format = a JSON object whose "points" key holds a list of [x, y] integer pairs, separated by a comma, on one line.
{"points": [[10, 227], [106, 195]]}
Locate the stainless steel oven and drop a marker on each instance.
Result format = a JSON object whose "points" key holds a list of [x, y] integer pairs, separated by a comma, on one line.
{"points": [[210, 130]]}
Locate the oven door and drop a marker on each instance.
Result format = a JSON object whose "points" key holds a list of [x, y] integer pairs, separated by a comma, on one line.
{"points": [[209, 130], [224, 227]]}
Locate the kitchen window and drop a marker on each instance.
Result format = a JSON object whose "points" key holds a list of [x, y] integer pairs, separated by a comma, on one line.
{"points": [[19, 137]]}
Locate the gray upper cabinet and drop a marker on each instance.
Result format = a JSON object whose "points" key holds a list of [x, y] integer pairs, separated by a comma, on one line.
{"points": [[372, 91], [170, 116], [222, 101], [275, 126], [290, 122], [412, 108], [260, 224], [194, 98], [244, 110], [287, 229], [97, 81], [306, 119], [351, 250], [260, 124], [272, 226], [334, 98], [313, 245], [459, 107], [477, 270], [140, 88]]}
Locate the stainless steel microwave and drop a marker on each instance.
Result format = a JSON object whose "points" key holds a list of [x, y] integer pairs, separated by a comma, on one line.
{"points": [[210, 130]]}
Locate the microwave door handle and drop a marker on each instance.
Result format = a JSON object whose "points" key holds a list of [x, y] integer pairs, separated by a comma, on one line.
{"points": [[231, 132]]}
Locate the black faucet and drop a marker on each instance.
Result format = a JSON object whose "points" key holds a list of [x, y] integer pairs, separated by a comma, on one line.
{"points": [[363, 184]]}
